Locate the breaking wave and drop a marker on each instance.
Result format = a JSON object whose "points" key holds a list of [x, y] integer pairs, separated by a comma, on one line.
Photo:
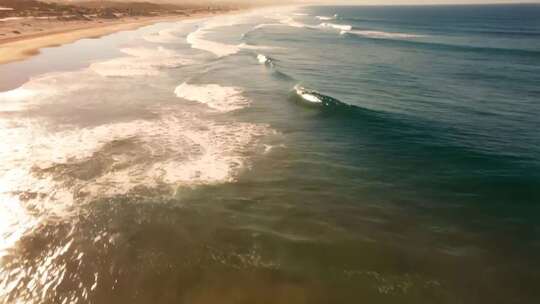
{"points": [[216, 97], [341, 27], [327, 18], [197, 38], [39, 89], [314, 98], [51, 171], [263, 59], [178, 149], [197, 41]]}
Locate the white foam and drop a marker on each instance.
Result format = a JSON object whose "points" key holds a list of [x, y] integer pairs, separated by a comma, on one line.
{"points": [[189, 152], [197, 38], [177, 149], [379, 34], [52, 171], [124, 67], [217, 48], [307, 95], [18, 94], [263, 59], [38, 89], [197, 41], [341, 27], [141, 62], [326, 18], [223, 99], [221, 157], [15, 221]]}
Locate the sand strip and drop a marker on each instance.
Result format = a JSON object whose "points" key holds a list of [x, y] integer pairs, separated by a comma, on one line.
{"points": [[24, 46]]}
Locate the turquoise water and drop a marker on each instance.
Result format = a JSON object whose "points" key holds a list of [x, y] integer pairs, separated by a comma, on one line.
{"points": [[288, 155]]}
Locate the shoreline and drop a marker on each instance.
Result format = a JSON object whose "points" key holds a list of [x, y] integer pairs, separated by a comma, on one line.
{"points": [[19, 48]]}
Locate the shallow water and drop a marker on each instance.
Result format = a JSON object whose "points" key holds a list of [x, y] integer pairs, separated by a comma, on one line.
{"points": [[288, 155]]}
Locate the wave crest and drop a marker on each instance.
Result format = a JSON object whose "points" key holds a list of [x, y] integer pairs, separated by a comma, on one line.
{"points": [[312, 97], [263, 59], [341, 27], [327, 18], [223, 99]]}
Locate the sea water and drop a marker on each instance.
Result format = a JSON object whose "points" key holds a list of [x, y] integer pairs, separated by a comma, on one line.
{"points": [[283, 155]]}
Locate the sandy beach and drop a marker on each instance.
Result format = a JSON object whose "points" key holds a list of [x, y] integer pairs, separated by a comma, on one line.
{"points": [[25, 45], [28, 25]]}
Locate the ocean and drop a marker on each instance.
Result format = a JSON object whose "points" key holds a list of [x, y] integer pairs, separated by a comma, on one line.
{"points": [[315, 154]]}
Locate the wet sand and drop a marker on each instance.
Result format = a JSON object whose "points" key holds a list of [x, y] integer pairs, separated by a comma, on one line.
{"points": [[26, 44]]}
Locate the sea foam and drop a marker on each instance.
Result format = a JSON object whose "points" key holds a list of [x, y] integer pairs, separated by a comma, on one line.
{"points": [[141, 62], [327, 18], [197, 41], [220, 98], [307, 95], [40, 88], [341, 27], [176, 149], [263, 59], [197, 38]]}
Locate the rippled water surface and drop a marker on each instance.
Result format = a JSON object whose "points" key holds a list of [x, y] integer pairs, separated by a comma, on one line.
{"points": [[285, 155]]}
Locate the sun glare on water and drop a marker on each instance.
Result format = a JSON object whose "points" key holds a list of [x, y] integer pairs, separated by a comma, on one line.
{"points": [[14, 222]]}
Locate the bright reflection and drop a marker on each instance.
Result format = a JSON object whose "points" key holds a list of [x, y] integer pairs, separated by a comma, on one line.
{"points": [[14, 222], [17, 94], [14, 217]]}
